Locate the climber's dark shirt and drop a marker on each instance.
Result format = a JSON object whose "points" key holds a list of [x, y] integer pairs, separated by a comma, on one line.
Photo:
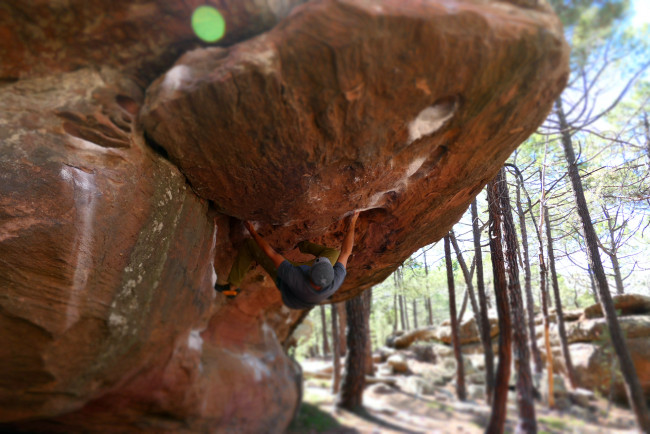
{"points": [[297, 293]]}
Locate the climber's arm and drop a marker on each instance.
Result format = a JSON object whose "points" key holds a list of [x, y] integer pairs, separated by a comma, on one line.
{"points": [[348, 241], [266, 247]]}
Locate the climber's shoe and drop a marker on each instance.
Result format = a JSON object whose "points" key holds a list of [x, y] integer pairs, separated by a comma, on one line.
{"points": [[221, 288], [225, 290]]}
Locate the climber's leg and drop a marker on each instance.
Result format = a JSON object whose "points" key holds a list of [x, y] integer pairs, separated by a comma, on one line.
{"points": [[250, 252], [317, 250]]}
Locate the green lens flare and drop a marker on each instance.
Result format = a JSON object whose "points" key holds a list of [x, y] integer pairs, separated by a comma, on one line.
{"points": [[208, 23]]}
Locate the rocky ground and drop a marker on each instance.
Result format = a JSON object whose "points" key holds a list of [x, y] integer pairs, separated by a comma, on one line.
{"points": [[413, 386], [393, 408]]}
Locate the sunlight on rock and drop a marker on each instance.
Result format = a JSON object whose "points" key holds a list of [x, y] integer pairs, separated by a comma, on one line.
{"points": [[431, 119]]}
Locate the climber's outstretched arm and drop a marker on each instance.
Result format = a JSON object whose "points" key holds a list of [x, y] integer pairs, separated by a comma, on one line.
{"points": [[348, 241], [266, 247]]}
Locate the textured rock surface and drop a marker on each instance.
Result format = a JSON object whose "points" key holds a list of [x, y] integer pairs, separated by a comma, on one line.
{"points": [[109, 320], [104, 249], [625, 304], [342, 106], [41, 37], [593, 365], [593, 356], [468, 331]]}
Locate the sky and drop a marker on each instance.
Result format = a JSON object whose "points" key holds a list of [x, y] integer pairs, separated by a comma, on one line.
{"points": [[641, 13]]}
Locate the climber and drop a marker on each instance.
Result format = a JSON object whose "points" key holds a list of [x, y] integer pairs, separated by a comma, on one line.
{"points": [[302, 285]]}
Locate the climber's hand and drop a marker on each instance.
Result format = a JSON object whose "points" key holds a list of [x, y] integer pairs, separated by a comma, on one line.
{"points": [[250, 227]]}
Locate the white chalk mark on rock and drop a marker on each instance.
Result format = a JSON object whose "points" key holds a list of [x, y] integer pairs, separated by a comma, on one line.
{"points": [[430, 120]]}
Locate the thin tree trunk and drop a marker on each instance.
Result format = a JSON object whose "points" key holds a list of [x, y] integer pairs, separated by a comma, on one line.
{"points": [[530, 304], [618, 278], [564, 343], [468, 279], [594, 292], [415, 315], [632, 385], [326, 345], [543, 274], [396, 309], [426, 286], [497, 420], [525, 392], [343, 321], [354, 378], [463, 306], [336, 350], [367, 305], [401, 312], [460, 371], [485, 330], [406, 314]]}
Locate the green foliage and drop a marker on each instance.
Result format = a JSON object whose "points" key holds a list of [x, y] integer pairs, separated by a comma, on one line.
{"points": [[312, 419]]}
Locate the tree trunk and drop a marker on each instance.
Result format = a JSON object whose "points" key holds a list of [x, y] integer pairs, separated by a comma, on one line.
{"points": [[543, 293], [343, 321], [426, 287], [594, 292], [336, 350], [498, 414], [326, 345], [463, 306], [367, 306], [460, 371], [618, 279], [620, 289], [406, 314], [530, 303], [415, 315], [354, 378], [525, 392], [468, 279], [632, 385], [396, 309], [564, 343], [486, 339], [401, 312]]}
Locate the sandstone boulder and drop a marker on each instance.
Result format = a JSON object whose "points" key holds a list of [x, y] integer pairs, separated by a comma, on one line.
{"points": [[399, 363], [328, 113], [590, 330], [593, 365], [105, 250], [468, 331], [405, 339], [625, 304], [424, 353], [141, 37], [401, 108], [419, 386]]}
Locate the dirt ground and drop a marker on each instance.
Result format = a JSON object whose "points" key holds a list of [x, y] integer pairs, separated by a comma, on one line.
{"points": [[388, 409]]}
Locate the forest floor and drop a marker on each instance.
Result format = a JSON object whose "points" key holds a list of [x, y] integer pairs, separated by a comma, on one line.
{"points": [[391, 410]]}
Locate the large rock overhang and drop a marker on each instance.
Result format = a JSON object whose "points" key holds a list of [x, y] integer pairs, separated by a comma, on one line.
{"points": [[404, 109]]}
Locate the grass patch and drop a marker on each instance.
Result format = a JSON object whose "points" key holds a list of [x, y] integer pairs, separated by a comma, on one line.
{"points": [[311, 418], [553, 423]]}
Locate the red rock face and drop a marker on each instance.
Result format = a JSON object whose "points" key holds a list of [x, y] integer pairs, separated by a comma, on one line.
{"points": [[41, 37], [105, 250], [403, 109]]}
